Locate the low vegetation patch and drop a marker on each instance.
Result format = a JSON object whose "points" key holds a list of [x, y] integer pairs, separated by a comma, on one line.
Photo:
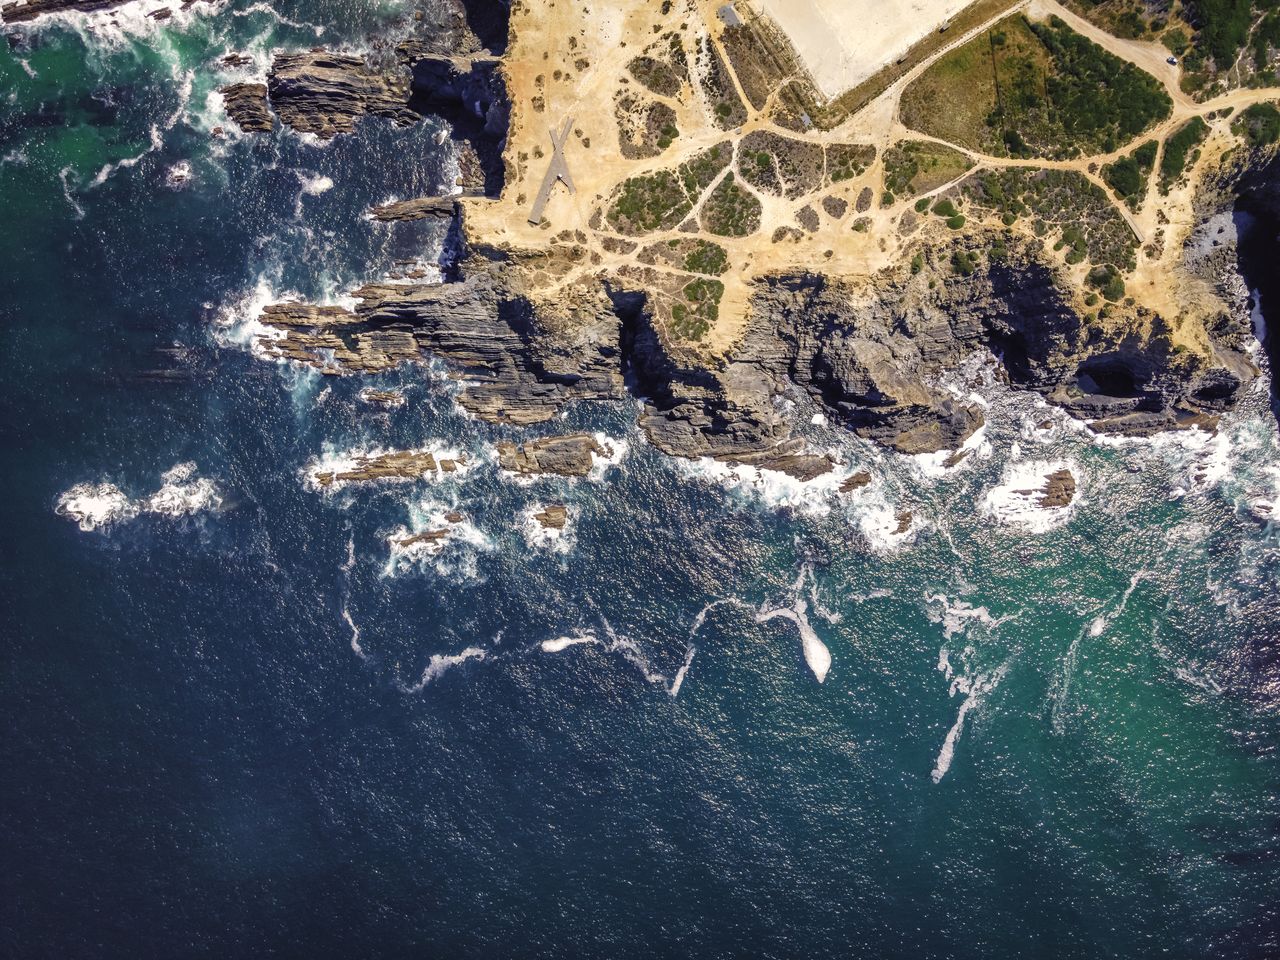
{"points": [[916, 166], [645, 127], [657, 75], [1088, 226], [845, 161], [1034, 90], [652, 202], [726, 107], [1178, 149], [700, 171], [692, 318], [731, 211], [1259, 125], [780, 165], [1128, 176]]}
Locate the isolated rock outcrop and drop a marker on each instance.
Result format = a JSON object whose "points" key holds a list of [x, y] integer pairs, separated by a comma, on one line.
{"points": [[568, 456]]}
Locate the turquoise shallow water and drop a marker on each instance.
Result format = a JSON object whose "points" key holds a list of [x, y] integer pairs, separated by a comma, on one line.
{"points": [[251, 730]]}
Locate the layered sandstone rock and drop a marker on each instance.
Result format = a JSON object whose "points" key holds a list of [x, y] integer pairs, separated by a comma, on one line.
{"points": [[568, 456]]}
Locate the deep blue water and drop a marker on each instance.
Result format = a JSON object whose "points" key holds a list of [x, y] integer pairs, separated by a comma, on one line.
{"points": [[199, 761]]}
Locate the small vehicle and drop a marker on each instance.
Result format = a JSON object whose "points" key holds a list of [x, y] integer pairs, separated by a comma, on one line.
{"points": [[1172, 61]]}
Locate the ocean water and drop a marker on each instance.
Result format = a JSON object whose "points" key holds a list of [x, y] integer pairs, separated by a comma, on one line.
{"points": [[237, 722]]}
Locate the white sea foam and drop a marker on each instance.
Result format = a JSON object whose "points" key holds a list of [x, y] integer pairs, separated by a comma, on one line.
{"points": [[181, 493], [816, 654], [94, 505], [771, 488], [560, 644], [613, 642], [631, 652], [116, 27], [975, 690], [958, 616], [64, 176], [355, 635], [439, 664], [1015, 501], [678, 681], [275, 14], [880, 522], [239, 322], [309, 185]]}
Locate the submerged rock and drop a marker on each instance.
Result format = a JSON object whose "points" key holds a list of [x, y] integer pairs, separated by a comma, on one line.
{"points": [[856, 481], [395, 465], [383, 398]]}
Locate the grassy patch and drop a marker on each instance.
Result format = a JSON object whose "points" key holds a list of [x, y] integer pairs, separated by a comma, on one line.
{"points": [[1034, 89], [916, 166]]}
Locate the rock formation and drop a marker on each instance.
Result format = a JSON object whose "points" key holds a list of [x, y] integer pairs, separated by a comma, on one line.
{"points": [[325, 93], [395, 465], [568, 456], [554, 517], [1059, 489], [421, 208], [246, 104], [31, 9]]}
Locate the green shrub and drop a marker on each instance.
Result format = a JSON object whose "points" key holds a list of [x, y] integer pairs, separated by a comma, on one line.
{"points": [[1259, 125], [1176, 148]]}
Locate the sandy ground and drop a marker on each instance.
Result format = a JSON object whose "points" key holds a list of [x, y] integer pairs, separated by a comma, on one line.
{"points": [[843, 42]]}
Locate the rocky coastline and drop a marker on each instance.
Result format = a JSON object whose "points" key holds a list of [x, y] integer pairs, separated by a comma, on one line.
{"points": [[872, 353]]}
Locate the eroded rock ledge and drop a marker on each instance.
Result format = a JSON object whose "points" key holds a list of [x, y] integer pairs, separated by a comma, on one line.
{"points": [[872, 355]]}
